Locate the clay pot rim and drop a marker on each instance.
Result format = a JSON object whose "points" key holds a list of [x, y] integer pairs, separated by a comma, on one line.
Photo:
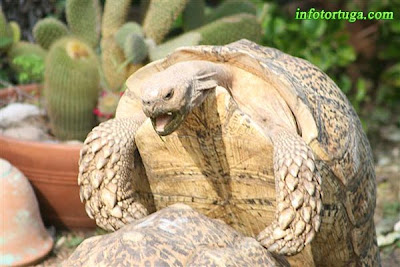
{"points": [[31, 88]]}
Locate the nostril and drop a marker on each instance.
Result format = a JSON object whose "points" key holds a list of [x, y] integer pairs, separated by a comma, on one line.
{"points": [[146, 103]]}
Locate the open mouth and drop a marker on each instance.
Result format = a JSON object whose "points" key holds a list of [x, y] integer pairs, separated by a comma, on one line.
{"points": [[165, 123]]}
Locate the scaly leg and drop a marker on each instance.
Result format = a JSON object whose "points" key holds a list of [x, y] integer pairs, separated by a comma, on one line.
{"points": [[105, 168], [298, 195]]}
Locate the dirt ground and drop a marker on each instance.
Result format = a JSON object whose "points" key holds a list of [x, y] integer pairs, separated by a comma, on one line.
{"points": [[387, 156]]}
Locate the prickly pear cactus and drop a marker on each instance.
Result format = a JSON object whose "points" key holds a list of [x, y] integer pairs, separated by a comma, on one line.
{"points": [[84, 19], [71, 85], [160, 16], [48, 30]]}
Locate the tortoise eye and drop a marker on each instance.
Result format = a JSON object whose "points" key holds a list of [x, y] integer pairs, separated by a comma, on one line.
{"points": [[169, 95]]}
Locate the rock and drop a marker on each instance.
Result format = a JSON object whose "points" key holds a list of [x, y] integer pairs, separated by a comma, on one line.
{"points": [[26, 132], [385, 240], [397, 227], [383, 160], [391, 133], [14, 113]]}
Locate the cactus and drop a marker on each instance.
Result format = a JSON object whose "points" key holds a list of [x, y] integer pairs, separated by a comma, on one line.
{"points": [[193, 15], [112, 62], [114, 16], [112, 56], [48, 30], [132, 68], [71, 85], [219, 32], [16, 31], [84, 19], [125, 30], [135, 48], [162, 50], [160, 16], [230, 29], [229, 8], [6, 36]]}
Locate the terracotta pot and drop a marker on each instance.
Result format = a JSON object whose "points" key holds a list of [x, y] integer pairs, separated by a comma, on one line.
{"points": [[52, 170]]}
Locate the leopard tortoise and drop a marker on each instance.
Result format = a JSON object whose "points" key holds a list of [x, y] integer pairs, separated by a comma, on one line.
{"points": [[174, 236], [247, 134]]}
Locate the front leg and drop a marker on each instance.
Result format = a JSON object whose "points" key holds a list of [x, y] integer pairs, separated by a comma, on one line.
{"points": [[105, 172], [298, 195]]}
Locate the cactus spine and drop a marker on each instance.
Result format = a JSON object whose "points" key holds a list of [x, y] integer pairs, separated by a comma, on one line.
{"points": [[71, 88], [48, 30], [83, 17], [160, 16]]}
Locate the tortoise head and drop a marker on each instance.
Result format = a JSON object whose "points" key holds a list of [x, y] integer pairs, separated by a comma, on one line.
{"points": [[170, 95]]}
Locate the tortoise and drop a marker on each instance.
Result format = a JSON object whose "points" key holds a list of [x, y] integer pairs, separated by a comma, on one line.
{"points": [[181, 237], [247, 134]]}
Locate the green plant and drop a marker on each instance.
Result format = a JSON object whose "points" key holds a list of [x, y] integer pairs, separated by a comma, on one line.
{"points": [[362, 57], [31, 68], [26, 61], [83, 17]]}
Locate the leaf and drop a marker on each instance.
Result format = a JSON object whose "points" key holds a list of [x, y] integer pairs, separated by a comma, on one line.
{"points": [[345, 83], [314, 28], [361, 90], [346, 55]]}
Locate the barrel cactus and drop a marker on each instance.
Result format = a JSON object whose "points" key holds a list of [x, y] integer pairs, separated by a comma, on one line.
{"points": [[71, 88], [48, 30]]}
